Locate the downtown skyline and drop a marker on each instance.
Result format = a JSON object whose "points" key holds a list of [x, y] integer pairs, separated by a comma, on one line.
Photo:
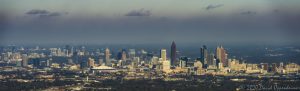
{"points": [[149, 45]]}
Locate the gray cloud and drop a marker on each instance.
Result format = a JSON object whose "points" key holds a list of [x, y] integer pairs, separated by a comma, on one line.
{"points": [[44, 13], [37, 12], [248, 13], [213, 6], [141, 12]]}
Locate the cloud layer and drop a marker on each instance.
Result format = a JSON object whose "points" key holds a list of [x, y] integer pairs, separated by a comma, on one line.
{"points": [[213, 6], [44, 13], [141, 12]]}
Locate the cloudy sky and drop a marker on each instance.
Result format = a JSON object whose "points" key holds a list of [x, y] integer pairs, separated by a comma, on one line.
{"points": [[148, 21]]}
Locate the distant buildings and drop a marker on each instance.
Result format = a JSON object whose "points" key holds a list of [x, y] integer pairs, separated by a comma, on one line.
{"points": [[173, 54], [24, 60], [131, 53], [163, 54], [203, 55], [124, 58], [222, 55], [292, 68], [107, 57], [142, 63], [165, 64], [91, 62]]}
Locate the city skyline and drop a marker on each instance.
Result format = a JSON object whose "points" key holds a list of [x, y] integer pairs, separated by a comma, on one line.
{"points": [[149, 45], [76, 67]]}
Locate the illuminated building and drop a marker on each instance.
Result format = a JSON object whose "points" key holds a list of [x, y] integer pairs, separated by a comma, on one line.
{"points": [[163, 54], [107, 57], [292, 68], [221, 55]]}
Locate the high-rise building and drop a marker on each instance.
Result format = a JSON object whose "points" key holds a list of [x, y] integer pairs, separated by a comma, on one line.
{"points": [[221, 55], [107, 56], [163, 54], [173, 54], [24, 60], [68, 50], [211, 61], [203, 55], [49, 62], [131, 53], [123, 55], [91, 62]]}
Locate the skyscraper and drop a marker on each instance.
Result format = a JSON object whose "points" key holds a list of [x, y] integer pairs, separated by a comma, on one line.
{"points": [[131, 53], [68, 50], [124, 55], [91, 62], [163, 54], [221, 55], [107, 56], [173, 54], [203, 55], [211, 61], [24, 60]]}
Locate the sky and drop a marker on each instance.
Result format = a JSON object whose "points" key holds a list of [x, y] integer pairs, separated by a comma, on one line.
{"points": [[149, 21]]}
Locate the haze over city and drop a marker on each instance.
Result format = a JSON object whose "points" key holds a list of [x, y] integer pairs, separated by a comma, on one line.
{"points": [[149, 45]]}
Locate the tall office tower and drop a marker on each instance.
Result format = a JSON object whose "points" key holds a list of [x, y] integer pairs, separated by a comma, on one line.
{"points": [[204, 55], [68, 50], [91, 62], [163, 54], [131, 53], [173, 54], [221, 55], [123, 55], [211, 61], [24, 60], [107, 56]]}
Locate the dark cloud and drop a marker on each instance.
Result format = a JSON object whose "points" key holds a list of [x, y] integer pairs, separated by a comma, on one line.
{"points": [[37, 12], [141, 12], [213, 6], [248, 13], [44, 13]]}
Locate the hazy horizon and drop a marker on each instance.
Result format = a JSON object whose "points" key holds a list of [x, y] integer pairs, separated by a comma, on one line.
{"points": [[149, 22]]}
